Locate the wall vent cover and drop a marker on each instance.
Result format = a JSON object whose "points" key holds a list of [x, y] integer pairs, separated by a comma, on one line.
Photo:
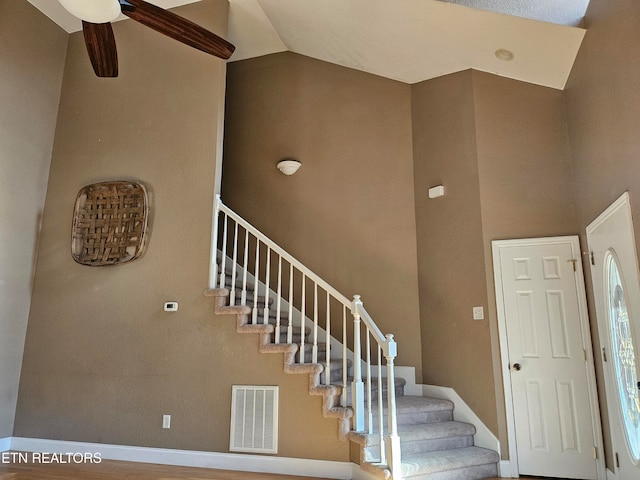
{"points": [[254, 419]]}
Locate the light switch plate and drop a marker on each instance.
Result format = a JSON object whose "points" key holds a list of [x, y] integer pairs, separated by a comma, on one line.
{"points": [[478, 313], [166, 421]]}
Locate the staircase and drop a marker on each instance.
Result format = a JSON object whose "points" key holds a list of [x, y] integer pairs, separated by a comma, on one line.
{"points": [[434, 447], [374, 412]]}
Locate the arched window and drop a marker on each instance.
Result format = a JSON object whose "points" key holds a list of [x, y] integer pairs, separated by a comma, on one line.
{"points": [[624, 355]]}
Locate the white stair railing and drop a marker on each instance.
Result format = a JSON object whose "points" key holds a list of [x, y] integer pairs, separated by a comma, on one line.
{"points": [[237, 240]]}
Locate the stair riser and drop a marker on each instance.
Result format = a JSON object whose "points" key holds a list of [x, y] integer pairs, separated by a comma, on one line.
{"points": [[249, 301], [413, 418], [295, 337], [478, 472], [425, 417], [431, 445], [437, 444], [336, 376], [374, 393], [271, 320]]}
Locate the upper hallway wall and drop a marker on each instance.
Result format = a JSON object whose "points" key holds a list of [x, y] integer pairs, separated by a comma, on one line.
{"points": [[603, 109]]}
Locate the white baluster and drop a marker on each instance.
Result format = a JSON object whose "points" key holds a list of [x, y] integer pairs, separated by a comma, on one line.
{"points": [[278, 300], [213, 275], [243, 297], [357, 387], [266, 290], [327, 376], [343, 396], [368, 383], [393, 440], [314, 349], [303, 317], [234, 266], [290, 326], [256, 287], [383, 454], [223, 265]]}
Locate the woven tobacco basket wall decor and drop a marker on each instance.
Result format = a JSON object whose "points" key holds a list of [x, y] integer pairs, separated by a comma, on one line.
{"points": [[109, 223]]}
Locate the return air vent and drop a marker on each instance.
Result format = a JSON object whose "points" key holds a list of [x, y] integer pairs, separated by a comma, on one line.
{"points": [[254, 419]]}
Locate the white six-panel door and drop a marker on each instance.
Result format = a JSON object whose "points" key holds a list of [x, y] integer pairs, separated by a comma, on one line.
{"points": [[548, 365]]}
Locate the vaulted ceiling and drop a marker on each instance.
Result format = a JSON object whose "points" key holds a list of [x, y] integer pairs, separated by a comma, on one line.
{"points": [[534, 41]]}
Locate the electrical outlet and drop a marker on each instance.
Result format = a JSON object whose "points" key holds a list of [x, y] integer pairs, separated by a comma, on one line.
{"points": [[166, 421], [478, 313]]}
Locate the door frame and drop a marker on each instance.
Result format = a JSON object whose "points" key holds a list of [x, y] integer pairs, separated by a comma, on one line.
{"points": [[573, 240]]}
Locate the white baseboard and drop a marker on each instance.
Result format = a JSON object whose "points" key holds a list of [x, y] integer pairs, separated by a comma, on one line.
{"points": [[5, 444], [359, 474], [409, 375], [484, 437], [504, 469], [189, 458]]}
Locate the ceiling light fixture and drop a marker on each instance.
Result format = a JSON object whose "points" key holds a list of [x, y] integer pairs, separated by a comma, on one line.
{"points": [[288, 166], [95, 11], [504, 55]]}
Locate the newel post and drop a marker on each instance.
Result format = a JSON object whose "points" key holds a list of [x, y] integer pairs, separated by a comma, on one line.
{"points": [[213, 271], [357, 386], [393, 439]]}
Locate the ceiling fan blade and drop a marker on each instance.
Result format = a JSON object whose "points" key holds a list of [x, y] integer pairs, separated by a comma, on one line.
{"points": [[177, 27], [101, 46]]}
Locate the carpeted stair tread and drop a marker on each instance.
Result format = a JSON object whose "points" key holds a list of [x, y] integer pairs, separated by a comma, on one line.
{"points": [[446, 460]]}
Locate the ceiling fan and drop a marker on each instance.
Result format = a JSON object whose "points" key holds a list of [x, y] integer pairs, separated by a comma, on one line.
{"points": [[97, 15]]}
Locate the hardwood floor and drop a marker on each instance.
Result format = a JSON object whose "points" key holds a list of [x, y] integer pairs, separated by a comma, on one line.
{"points": [[113, 470]]}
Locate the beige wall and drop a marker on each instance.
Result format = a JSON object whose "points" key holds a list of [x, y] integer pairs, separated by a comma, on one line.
{"points": [[102, 361], [348, 213], [32, 51], [603, 110], [500, 148], [526, 178], [456, 350]]}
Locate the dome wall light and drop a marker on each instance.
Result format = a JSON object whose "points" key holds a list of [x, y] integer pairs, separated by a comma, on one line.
{"points": [[437, 191], [288, 166]]}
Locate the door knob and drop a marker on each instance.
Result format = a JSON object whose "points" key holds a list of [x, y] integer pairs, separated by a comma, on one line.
{"points": [[516, 367]]}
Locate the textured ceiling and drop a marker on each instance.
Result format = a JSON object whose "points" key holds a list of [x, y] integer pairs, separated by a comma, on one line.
{"points": [[405, 40], [563, 12]]}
